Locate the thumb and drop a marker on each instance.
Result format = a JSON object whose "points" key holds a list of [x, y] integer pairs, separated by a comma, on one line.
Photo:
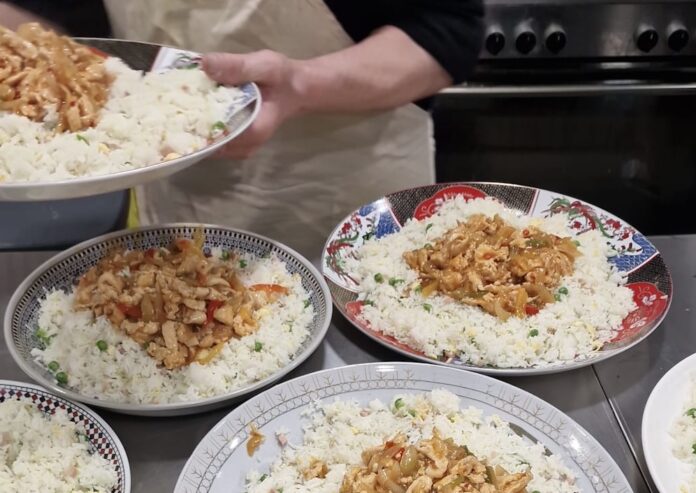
{"points": [[233, 69]]}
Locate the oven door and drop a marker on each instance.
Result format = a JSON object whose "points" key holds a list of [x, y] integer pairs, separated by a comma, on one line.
{"points": [[630, 149]]}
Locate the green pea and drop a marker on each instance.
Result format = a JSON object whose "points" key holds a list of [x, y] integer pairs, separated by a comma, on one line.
{"points": [[258, 346], [399, 403], [53, 366], [563, 290], [533, 333], [691, 412], [427, 307], [62, 377], [102, 345], [379, 278]]}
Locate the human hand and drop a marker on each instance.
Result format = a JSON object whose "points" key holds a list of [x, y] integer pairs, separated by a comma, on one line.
{"points": [[277, 76]]}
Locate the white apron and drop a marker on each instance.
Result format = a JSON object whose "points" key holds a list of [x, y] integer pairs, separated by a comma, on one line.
{"points": [[315, 169]]}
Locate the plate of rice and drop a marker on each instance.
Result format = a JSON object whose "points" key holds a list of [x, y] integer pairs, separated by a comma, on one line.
{"points": [[90, 116], [496, 278], [397, 427], [51, 444], [167, 320], [669, 429]]}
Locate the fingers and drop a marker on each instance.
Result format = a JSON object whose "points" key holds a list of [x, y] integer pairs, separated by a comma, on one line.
{"points": [[263, 67]]}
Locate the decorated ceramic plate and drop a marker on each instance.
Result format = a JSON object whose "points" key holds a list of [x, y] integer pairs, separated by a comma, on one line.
{"points": [[669, 429], [86, 450], [311, 431], [149, 128], [495, 278], [167, 320]]}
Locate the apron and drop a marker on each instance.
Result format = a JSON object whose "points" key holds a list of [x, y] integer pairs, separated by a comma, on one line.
{"points": [[317, 168]]}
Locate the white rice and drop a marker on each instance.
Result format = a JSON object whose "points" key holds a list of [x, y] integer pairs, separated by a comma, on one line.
{"points": [[338, 432], [683, 433], [125, 373], [570, 329], [146, 117], [42, 454]]}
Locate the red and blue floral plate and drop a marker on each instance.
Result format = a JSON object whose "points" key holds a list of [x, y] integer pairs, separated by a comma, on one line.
{"points": [[648, 276]]}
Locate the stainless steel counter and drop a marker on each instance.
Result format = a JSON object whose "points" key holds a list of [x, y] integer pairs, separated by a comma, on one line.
{"points": [[629, 378], [607, 399]]}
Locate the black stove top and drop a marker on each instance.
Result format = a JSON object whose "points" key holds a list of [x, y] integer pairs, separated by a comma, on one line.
{"points": [[589, 30]]}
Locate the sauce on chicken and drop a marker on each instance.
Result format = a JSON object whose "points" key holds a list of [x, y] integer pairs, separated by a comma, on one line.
{"points": [[41, 71], [180, 305], [430, 465], [488, 263]]}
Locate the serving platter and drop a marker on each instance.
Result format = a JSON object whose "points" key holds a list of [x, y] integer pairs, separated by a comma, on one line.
{"points": [[220, 462], [61, 272], [101, 437], [143, 57], [663, 407], [637, 258]]}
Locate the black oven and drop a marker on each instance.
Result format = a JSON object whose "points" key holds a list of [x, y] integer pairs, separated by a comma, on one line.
{"points": [[592, 99]]}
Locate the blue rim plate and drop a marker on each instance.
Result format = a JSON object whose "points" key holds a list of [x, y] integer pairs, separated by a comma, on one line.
{"points": [[144, 57], [102, 439], [61, 271]]}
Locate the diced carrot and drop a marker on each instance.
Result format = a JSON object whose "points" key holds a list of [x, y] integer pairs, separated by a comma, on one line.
{"points": [[269, 288], [213, 305], [530, 309], [183, 244], [131, 311]]}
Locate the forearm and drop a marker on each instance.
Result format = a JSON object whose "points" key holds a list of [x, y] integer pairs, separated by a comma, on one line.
{"points": [[11, 17], [384, 71]]}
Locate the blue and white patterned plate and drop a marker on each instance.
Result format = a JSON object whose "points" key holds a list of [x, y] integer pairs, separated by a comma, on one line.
{"points": [[102, 439], [648, 276], [220, 462], [144, 57], [61, 271]]}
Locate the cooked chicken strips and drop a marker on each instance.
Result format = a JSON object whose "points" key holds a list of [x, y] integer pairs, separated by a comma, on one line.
{"points": [[432, 465], [180, 305], [41, 71], [488, 263]]}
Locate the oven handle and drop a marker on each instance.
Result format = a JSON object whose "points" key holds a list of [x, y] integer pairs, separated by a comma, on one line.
{"points": [[560, 90]]}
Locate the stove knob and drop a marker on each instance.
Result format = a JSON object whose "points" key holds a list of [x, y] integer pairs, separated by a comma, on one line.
{"points": [[495, 42], [646, 38], [677, 37], [555, 39], [525, 42]]}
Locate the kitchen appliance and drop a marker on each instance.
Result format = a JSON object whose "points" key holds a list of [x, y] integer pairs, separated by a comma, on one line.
{"points": [[590, 98]]}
